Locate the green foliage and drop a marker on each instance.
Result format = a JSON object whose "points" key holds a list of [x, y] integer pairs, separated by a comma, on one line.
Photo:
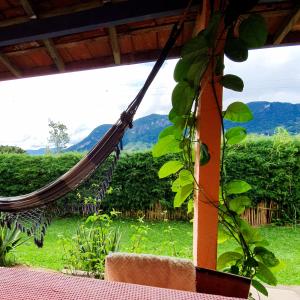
{"points": [[22, 174], [165, 145], [136, 185], [236, 50], [93, 241], [236, 187], [235, 135], [139, 235], [238, 112], [182, 91], [232, 82], [272, 166], [10, 239], [170, 167], [11, 149], [253, 31]]}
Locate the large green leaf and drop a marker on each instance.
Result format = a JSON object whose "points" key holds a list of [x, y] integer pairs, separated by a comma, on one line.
{"points": [[266, 256], [165, 145], [176, 185], [236, 49], [170, 167], [183, 65], [265, 274], [235, 135], [185, 177], [182, 98], [238, 112], [222, 234], [172, 115], [183, 193], [228, 257], [258, 286], [250, 234], [239, 204], [197, 69], [253, 31], [196, 45], [170, 130], [237, 187], [232, 82]]}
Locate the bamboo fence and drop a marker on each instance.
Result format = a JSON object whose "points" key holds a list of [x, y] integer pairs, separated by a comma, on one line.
{"points": [[262, 214]]}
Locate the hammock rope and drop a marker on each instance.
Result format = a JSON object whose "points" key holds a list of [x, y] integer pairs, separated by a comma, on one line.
{"points": [[32, 212]]}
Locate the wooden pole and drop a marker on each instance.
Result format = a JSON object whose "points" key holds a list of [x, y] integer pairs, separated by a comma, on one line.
{"points": [[209, 132]]}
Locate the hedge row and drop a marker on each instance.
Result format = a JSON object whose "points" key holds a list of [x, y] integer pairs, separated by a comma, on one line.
{"points": [[272, 167]]}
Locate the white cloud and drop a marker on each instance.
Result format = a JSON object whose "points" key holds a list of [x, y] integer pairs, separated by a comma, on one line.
{"points": [[84, 100]]}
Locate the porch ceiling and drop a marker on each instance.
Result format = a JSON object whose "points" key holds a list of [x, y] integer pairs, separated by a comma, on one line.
{"points": [[41, 37]]}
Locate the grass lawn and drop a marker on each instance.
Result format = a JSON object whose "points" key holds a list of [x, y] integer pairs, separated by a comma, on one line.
{"points": [[171, 238]]}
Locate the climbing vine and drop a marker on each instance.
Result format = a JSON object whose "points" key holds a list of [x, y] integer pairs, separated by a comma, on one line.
{"points": [[242, 31]]}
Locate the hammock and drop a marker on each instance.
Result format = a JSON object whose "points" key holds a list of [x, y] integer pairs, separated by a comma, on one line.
{"points": [[30, 212]]}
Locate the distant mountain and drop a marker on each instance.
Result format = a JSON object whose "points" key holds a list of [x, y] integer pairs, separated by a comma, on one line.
{"points": [[145, 131], [39, 151], [142, 136], [269, 115]]}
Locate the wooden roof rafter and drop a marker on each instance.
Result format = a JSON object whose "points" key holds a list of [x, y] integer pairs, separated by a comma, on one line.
{"points": [[113, 37], [288, 25], [111, 14], [10, 66], [28, 7], [70, 35]]}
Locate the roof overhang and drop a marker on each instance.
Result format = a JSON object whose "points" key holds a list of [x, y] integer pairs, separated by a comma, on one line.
{"points": [[48, 37]]}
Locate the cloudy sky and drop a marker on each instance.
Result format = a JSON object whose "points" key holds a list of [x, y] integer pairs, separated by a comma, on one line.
{"points": [[84, 100]]}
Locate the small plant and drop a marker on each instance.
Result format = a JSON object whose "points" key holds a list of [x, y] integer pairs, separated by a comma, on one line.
{"points": [[9, 240], [139, 236], [170, 242], [93, 241]]}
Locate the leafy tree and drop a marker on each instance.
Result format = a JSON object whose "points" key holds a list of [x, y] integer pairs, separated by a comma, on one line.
{"points": [[59, 136], [11, 149]]}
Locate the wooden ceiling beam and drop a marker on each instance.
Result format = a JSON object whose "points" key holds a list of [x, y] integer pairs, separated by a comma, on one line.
{"points": [[54, 54], [287, 26], [51, 13], [110, 14], [113, 38], [10, 66], [98, 39]]}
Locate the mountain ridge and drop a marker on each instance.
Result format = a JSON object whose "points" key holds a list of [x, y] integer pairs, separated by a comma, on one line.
{"points": [[267, 116]]}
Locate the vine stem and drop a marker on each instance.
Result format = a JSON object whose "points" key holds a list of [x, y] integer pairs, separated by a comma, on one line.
{"points": [[241, 238]]}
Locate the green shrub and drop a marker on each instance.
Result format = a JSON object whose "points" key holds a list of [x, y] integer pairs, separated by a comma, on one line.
{"points": [[10, 239], [93, 241], [270, 164]]}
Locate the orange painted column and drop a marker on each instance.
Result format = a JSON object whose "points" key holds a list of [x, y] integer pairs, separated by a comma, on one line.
{"points": [[208, 176]]}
